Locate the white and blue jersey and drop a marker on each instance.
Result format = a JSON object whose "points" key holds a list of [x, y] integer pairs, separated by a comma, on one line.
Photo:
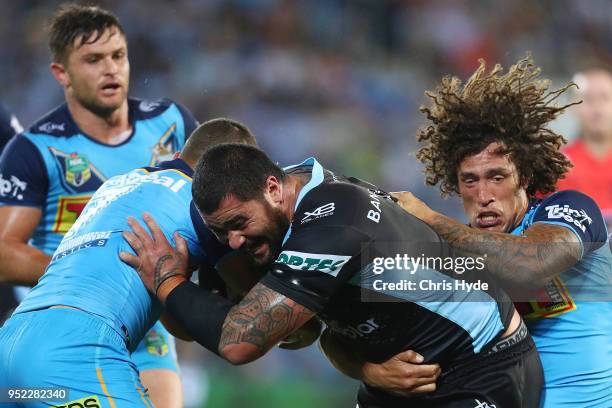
{"points": [[57, 167], [573, 329], [115, 310]]}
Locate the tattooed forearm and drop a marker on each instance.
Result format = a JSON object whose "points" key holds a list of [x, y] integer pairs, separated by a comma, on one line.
{"points": [[529, 260], [262, 319], [159, 277]]}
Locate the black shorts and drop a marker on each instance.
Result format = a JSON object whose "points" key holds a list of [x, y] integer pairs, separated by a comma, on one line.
{"points": [[511, 377]]}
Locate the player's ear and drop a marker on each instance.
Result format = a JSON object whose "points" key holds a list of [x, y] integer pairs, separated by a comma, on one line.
{"points": [[274, 189], [59, 73]]}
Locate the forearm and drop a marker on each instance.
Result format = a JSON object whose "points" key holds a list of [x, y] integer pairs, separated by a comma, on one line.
{"points": [[523, 261], [21, 264], [260, 321]]}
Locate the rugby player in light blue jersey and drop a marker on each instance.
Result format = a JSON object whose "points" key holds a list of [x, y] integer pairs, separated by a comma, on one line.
{"points": [[50, 171], [77, 326], [497, 160]]}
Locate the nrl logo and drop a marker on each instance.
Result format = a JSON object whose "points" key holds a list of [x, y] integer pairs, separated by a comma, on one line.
{"points": [[77, 170], [322, 211]]}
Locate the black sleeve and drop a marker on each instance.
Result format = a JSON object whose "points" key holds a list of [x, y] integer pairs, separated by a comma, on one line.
{"points": [[577, 212], [23, 174], [322, 252]]}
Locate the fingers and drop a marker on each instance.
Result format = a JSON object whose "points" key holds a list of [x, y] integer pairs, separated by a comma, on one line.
{"points": [[139, 231], [181, 245], [133, 240], [130, 259], [158, 235], [410, 356]]}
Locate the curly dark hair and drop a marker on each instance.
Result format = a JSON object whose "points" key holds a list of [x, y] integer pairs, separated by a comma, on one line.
{"points": [[513, 108]]}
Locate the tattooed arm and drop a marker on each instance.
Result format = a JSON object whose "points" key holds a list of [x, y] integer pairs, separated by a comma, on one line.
{"points": [[532, 259], [261, 320]]}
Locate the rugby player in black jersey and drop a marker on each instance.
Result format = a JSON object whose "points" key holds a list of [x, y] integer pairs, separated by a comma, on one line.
{"points": [[323, 234]]}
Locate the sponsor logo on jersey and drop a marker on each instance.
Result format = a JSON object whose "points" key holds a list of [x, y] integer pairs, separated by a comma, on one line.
{"points": [[88, 240], [301, 261], [320, 212], [77, 170], [552, 300], [156, 343], [374, 214], [148, 106], [119, 186], [355, 331], [577, 217], [68, 210], [483, 404], [91, 401], [50, 127], [165, 147], [12, 187]]}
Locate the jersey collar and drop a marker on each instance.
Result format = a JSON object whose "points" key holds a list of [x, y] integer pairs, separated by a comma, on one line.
{"points": [[316, 178], [177, 164]]}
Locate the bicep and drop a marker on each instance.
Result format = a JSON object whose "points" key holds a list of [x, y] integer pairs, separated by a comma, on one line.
{"points": [[18, 223]]}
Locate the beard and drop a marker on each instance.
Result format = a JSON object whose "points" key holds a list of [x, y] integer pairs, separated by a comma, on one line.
{"points": [[272, 235]]}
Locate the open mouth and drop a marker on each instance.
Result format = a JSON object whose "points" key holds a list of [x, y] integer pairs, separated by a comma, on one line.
{"points": [[111, 88], [488, 219]]}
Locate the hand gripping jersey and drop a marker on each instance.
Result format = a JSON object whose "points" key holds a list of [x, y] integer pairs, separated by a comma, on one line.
{"points": [[573, 330], [56, 167], [340, 228], [86, 272], [87, 350]]}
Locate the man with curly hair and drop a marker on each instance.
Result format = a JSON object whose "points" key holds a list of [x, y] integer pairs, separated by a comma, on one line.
{"points": [[489, 142]]}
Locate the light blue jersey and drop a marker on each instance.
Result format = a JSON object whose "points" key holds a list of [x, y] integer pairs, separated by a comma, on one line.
{"points": [[114, 308], [573, 330], [86, 272], [57, 167]]}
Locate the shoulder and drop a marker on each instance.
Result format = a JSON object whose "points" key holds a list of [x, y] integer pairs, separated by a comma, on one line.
{"points": [[142, 109], [574, 210], [57, 123]]}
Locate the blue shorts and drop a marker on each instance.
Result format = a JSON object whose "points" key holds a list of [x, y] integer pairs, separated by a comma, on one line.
{"points": [[70, 349], [156, 351]]}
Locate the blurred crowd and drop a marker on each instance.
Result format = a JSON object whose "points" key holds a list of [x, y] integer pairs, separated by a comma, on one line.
{"points": [[338, 79]]}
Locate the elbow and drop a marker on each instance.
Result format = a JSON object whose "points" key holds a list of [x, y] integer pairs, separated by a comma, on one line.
{"points": [[239, 354]]}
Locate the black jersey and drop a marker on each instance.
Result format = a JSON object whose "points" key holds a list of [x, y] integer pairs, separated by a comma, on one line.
{"points": [[340, 229]]}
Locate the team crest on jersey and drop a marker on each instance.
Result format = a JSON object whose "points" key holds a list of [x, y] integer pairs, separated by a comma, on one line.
{"points": [[165, 146], [77, 170], [79, 173], [156, 343]]}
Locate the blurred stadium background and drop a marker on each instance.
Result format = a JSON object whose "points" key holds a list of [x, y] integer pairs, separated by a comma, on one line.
{"points": [[338, 79]]}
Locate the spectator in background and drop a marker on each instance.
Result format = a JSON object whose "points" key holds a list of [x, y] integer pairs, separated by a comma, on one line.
{"points": [[591, 154], [9, 126]]}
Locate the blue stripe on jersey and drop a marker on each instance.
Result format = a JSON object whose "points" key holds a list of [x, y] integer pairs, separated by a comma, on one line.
{"points": [[316, 178], [464, 308]]}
